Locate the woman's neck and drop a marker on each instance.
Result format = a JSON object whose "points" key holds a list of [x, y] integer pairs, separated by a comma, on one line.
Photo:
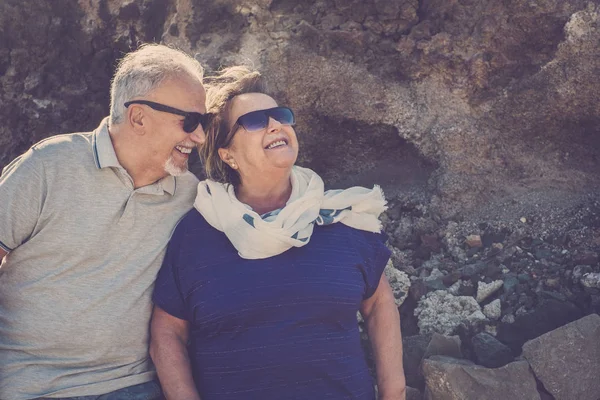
{"points": [[265, 194]]}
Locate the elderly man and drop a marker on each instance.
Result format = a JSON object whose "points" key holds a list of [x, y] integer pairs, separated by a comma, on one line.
{"points": [[84, 221]]}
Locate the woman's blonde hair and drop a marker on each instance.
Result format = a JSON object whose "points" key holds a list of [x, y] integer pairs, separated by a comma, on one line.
{"points": [[220, 90]]}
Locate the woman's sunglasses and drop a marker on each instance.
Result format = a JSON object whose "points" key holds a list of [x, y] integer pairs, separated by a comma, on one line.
{"points": [[258, 120], [191, 120]]}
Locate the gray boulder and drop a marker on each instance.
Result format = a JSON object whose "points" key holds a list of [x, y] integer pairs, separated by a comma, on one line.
{"points": [[414, 348], [441, 345], [451, 379], [413, 394], [567, 360], [548, 315], [489, 351]]}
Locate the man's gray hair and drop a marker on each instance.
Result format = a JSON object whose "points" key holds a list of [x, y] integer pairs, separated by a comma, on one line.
{"points": [[143, 70]]}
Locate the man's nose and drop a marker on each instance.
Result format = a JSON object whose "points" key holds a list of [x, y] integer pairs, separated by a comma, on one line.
{"points": [[198, 136]]}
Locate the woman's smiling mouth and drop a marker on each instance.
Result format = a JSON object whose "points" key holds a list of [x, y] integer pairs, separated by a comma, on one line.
{"points": [[276, 144]]}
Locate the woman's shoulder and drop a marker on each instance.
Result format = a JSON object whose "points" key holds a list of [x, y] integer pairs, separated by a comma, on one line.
{"points": [[354, 235], [341, 238]]}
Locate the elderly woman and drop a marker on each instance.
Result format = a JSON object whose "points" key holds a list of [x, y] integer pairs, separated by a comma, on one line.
{"points": [[258, 293]]}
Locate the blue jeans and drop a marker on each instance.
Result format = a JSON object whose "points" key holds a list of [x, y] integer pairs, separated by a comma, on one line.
{"points": [[143, 391]]}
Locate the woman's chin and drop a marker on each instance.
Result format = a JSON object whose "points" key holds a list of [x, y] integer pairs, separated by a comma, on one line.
{"points": [[284, 160]]}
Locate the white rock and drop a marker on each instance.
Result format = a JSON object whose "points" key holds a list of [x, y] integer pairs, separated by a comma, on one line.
{"points": [[42, 103], [435, 274], [591, 280], [493, 310], [399, 281], [359, 319], [477, 316], [442, 312], [521, 311], [454, 289], [484, 290], [458, 253], [491, 329], [508, 319]]}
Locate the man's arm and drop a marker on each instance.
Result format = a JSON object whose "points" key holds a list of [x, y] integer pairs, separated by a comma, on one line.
{"points": [[23, 190], [168, 349], [383, 325]]}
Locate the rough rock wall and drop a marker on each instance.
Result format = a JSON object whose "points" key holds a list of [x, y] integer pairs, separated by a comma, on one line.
{"points": [[450, 103]]}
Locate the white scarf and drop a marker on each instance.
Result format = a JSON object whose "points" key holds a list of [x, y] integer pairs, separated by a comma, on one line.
{"points": [[256, 237]]}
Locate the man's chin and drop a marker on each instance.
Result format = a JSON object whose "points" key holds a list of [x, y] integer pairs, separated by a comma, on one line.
{"points": [[173, 169]]}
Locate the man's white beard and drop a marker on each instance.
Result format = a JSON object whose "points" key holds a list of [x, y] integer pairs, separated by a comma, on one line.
{"points": [[174, 170]]}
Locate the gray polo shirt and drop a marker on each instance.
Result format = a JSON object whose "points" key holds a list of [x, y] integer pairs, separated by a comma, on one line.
{"points": [[84, 250]]}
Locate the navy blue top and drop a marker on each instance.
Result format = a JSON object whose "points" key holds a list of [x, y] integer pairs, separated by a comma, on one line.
{"points": [[277, 328]]}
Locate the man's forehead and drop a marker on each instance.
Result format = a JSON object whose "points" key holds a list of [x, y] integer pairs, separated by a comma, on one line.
{"points": [[185, 91], [182, 82]]}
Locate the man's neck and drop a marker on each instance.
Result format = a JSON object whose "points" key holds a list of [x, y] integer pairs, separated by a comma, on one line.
{"points": [[132, 159]]}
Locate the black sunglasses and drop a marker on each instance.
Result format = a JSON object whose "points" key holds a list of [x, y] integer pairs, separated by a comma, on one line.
{"points": [[191, 119], [258, 120]]}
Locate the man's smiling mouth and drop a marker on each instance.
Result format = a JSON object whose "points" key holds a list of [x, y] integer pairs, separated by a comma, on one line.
{"points": [[184, 150]]}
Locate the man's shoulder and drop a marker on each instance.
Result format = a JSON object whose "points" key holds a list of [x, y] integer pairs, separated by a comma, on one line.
{"points": [[46, 152], [188, 181], [186, 186], [65, 145]]}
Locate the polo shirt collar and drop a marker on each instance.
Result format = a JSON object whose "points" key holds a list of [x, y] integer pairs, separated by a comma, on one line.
{"points": [[104, 152], [105, 157]]}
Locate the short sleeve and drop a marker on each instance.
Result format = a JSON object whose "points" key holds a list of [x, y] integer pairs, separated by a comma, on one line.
{"points": [[167, 289], [22, 195], [374, 255]]}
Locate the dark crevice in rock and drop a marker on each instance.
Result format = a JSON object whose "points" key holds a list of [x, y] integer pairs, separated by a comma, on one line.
{"points": [[154, 16], [544, 395], [347, 152]]}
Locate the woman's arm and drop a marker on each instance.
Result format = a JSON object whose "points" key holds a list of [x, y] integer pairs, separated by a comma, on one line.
{"points": [[168, 349], [383, 325]]}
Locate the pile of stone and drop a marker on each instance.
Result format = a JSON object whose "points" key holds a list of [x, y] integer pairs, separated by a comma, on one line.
{"points": [[493, 310], [563, 364], [515, 279]]}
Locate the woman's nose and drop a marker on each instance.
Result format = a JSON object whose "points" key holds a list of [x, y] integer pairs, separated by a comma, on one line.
{"points": [[274, 125]]}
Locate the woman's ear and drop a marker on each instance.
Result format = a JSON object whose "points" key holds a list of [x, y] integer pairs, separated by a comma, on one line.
{"points": [[227, 158]]}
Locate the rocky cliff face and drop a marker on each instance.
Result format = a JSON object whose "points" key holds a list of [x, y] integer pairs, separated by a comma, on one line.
{"points": [[455, 104]]}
